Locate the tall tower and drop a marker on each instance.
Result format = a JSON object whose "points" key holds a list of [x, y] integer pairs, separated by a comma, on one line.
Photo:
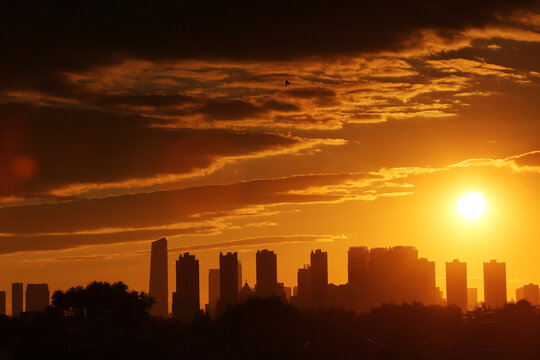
{"points": [[319, 279], [37, 297], [2, 303], [16, 299], [228, 280], [304, 287], [456, 284], [358, 271], [213, 291], [267, 284], [159, 279], [495, 284], [186, 304]]}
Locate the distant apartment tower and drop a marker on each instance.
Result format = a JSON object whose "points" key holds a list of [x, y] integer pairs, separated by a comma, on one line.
{"points": [[319, 279], [186, 303], [2, 303], [528, 292], [424, 282], [303, 291], [456, 284], [37, 297], [16, 299], [495, 284], [213, 291], [228, 280], [472, 298], [266, 264], [358, 265], [239, 276], [159, 278]]}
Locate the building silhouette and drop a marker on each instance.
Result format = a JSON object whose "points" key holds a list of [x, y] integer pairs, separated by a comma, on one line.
{"points": [[16, 299], [213, 291], [379, 275], [239, 275], [528, 292], [2, 303], [266, 264], [303, 290], [319, 279], [472, 298], [456, 284], [358, 275], [159, 278], [186, 303], [425, 291], [228, 280], [495, 284], [245, 293], [37, 297]]}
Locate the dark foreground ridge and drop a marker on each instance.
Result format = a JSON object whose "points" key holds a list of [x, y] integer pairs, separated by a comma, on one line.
{"points": [[104, 321]]}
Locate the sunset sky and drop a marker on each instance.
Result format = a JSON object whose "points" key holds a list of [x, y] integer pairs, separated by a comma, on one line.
{"points": [[124, 123]]}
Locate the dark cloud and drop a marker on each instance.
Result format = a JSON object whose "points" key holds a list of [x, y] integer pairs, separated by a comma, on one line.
{"points": [[44, 148], [240, 109], [41, 40], [164, 208]]}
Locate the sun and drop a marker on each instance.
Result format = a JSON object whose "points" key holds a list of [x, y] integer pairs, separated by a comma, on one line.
{"points": [[472, 205]]}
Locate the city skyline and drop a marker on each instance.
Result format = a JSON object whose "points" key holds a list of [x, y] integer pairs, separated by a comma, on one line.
{"points": [[333, 126]]}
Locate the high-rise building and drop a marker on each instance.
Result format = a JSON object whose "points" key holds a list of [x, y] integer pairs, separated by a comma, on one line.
{"points": [[2, 303], [159, 278], [319, 279], [424, 282], [406, 279], [37, 297], [228, 280], [472, 298], [239, 275], [379, 276], [303, 291], [456, 284], [528, 292], [213, 291], [16, 299], [186, 304], [358, 265], [266, 263], [495, 284], [288, 292]]}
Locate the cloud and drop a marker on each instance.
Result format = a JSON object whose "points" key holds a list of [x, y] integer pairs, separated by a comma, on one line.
{"points": [[67, 151], [45, 41], [264, 240]]}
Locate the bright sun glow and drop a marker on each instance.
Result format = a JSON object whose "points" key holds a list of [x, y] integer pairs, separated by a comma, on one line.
{"points": [[472, 205]]}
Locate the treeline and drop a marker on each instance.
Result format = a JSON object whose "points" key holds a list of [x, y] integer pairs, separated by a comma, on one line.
{"points": [[104, 321]]}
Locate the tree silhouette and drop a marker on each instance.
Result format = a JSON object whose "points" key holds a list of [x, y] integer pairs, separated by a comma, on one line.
{"points": [[102, 301]]}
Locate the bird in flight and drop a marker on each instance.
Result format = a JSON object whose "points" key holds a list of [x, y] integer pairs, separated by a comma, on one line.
{"points": [[287, 82]]}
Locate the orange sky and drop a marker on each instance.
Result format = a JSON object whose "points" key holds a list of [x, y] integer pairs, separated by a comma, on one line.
{"points": [[107, 146]]}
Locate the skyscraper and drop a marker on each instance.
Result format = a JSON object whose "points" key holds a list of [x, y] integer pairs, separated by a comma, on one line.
{"points": [[37, 297], [456, 284], [16, 299], [304, 287], [405, 277], [159, 279], [186, 304], [495, 284], [239, 275], [379, 275], [2, 303], [528, 292], [319, 279], [358, 273], [266, 264], [425, 289], [228, 280], [213, 291], [472, 298]]}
